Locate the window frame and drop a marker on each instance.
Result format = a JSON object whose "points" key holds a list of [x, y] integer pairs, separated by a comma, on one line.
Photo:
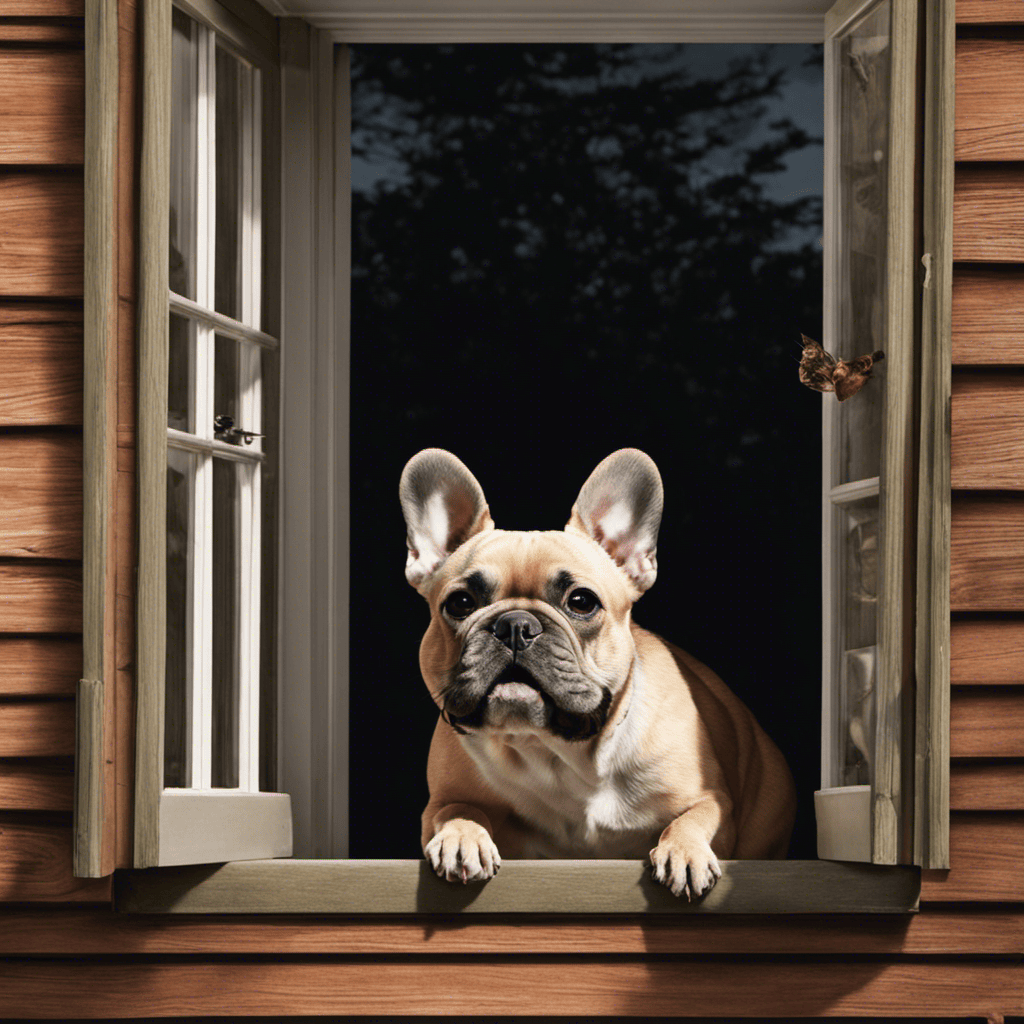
{"points": [[331, 308], [874, 822], [196, 823]]}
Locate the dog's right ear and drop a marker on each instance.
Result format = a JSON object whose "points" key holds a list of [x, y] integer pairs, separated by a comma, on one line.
{"points": [[443, 506]]}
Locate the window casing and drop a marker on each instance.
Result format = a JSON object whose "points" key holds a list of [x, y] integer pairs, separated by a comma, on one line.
{"points": [[336, 311]]}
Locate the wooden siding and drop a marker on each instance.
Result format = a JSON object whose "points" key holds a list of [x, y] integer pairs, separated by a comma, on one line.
{"points": [[40, 495], [989, 125], [42, 106], [41, 353], [634, 988], [41, 247], [42, 124], [987, 469], [35, 864]]}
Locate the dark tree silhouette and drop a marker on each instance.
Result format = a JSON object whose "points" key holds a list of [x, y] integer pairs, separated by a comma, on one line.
{"points": [[577, 251]]}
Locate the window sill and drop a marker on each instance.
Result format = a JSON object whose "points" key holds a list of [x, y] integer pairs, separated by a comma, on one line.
{"points": [[522, 887]]}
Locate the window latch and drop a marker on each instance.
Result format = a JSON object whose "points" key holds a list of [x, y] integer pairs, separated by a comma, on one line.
{"points": [[224, 429]]}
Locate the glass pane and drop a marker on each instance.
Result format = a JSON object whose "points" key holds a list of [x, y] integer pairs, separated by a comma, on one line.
{"points": [[184, 103], [863, 70], [177, 695], [225, 382], [181, 347], [232, 78], [858, 591], [225, 622]]}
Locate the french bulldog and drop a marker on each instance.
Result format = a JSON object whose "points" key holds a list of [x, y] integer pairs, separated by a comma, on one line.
{"points": [[565, 729]]}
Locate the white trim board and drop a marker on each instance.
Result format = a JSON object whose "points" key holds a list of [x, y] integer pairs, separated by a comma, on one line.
{"points": [[703, 21]]}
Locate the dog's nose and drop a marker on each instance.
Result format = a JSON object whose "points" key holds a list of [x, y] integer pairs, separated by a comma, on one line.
{"points": [[517, 630]]}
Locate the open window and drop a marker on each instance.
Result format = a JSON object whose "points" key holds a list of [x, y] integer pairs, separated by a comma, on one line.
{"points": [[200, 653]]}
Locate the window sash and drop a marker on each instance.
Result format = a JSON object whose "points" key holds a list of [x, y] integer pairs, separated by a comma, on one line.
{"points": [[176, 825], [875, 822]]}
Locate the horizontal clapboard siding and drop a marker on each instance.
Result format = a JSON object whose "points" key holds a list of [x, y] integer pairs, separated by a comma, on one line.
{"points": [[987, 450], [988, 315], [42, 106], [40, 495], [991, 12], [986, 786], [28, 785], [35, 864], [40, 598], [987, 652], [479, 988], [41, 355], [39, 666], [985, 851], [85, 931], [988, 122], [987, 721], [988, 213], [42, 136], [41, 246], [37, 728], [987, 553]]}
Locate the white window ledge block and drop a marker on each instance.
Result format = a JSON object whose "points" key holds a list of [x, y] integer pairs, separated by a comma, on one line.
{"points": [[843, 814], [214, 825]]}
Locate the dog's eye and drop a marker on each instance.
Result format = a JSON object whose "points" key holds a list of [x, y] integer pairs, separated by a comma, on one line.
{"points": [[583, 601], [459, 604]]}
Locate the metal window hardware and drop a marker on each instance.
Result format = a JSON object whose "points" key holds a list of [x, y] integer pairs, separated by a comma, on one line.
{"points": [[224, 429]]}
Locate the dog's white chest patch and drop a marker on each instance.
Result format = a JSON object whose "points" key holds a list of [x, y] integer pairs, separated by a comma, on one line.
{"points": [[575, 810]]}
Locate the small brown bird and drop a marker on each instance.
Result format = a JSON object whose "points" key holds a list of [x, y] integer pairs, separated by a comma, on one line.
{"points": [[823, 372]]}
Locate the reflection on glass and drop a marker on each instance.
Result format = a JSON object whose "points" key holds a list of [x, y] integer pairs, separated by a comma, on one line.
{"points": [[231, 78], [863, 66], [858, 542], [857, 704], [177, 698], [225, 379], [180, 348], [225, 622], [184, 102]]}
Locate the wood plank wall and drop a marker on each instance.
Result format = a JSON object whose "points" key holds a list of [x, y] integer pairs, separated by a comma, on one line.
{"points": [[987, 573], [41, 245], [959, 957]]}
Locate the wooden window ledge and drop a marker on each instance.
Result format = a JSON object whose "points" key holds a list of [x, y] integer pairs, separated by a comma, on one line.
{"points": [[521, 887]]}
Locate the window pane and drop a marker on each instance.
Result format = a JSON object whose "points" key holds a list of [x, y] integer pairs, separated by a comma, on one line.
{"points": [[232, 80], [177, 697], [184, 102], [225, 381], [863, 71], [858, 571], [225, 622], [181, 342]]}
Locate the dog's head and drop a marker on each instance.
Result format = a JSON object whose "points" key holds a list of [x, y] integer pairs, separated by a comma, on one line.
{"points": [[529, 631]]}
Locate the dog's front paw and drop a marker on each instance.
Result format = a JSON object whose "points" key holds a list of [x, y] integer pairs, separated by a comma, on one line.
{"points": [[685, 866], [463, 851]]}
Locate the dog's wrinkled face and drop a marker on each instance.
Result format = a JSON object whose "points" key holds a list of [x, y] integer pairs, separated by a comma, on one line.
{"points": [[529, 631]]}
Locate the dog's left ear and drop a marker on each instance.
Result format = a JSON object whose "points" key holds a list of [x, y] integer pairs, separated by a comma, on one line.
{"points": [[620, 507], [443, 506]]}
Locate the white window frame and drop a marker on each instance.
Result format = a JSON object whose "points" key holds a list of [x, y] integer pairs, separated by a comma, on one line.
{"points": [[199, 822], [316, 245]]}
